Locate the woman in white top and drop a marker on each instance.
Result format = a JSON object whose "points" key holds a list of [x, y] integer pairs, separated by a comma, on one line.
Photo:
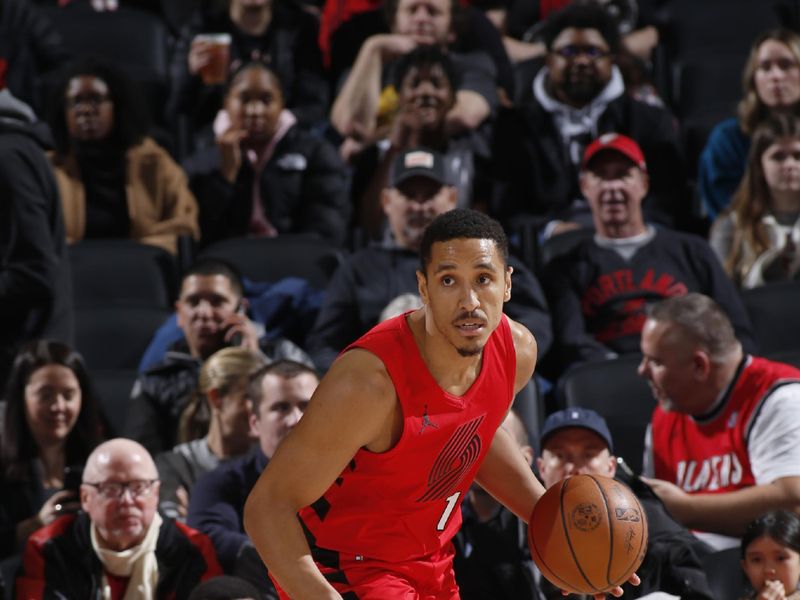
{"points": [[757, 238]]}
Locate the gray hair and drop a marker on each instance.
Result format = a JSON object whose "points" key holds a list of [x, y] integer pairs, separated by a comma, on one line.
{"points": [[701, 319]]}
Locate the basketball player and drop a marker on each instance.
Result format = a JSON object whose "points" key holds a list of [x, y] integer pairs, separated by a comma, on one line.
{"points": [[362, 499]]}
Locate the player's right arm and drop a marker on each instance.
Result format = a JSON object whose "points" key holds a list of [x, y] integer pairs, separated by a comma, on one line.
{"points": [[353, 407]]}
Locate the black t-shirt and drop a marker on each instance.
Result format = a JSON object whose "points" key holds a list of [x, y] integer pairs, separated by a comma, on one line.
{"points": [[102, 171]]}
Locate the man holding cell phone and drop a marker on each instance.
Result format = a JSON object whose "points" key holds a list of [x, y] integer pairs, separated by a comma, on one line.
{"points": [[211, 312]]}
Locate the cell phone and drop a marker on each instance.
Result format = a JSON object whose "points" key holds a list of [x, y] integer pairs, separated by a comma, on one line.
{"points": [[236, 338], [73, 476]]}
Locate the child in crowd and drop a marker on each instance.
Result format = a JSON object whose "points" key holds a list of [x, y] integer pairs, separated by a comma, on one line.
{"points": [[771, 556]]}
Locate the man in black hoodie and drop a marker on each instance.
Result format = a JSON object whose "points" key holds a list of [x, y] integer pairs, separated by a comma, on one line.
{"points": [[35, 285]]}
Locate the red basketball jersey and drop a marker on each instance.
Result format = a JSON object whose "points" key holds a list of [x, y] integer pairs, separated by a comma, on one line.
{"points": [[710, 456], [405, 503]]}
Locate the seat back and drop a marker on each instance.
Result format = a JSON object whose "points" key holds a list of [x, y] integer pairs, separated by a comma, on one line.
{"points": [[724, 573], [113, 387], [773, 311], [560, 244], [131, 38], [115, 337], [122, 273], [271, 259], [614, 390]]}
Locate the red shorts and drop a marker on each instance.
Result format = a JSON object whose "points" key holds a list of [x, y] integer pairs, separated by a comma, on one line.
{"points": [[428, 578]]}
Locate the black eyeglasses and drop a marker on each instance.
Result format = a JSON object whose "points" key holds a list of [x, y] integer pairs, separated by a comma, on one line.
{"points": [[113, 490], [571, 51], [93, 100]]}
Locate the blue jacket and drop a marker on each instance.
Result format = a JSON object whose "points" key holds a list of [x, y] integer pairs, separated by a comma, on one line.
{"points": [[216, 506], [722, 165]]}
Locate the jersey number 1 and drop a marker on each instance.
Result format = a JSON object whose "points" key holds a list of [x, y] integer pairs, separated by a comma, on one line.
{"points": [[452, 502]]}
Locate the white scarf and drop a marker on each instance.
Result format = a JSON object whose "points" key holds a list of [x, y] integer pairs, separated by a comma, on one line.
{"points": [[138, 563]]}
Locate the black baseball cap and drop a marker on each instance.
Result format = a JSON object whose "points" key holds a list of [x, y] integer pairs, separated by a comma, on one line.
{"points": [[576, 417], [418, 162]]}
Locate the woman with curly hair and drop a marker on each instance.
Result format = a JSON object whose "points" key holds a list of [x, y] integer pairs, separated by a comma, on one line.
{"points": [[757, 237]]}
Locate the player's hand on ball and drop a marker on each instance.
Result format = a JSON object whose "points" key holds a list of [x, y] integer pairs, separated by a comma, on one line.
{"points": [[617, 591]]}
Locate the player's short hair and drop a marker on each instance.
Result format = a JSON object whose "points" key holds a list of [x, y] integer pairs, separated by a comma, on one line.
{"points": [[462, 223], [287, 369], [701, 319], [582, 16], [217, 266]]}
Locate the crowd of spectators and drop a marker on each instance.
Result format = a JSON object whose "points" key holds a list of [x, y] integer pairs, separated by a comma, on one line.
{"points": [[353, 125]]}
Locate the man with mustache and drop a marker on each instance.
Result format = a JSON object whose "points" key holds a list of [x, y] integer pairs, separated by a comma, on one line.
{"points": [[371, 279], [599, 289], [118, 547], [578, 95], [723, 440]]}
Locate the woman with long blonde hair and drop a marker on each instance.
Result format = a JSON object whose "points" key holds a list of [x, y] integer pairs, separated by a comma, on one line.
{"points": [[757, 237], [213, 427]]}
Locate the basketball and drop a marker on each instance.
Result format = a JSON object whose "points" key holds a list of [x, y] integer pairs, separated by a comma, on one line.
{"points": [[588, 534]]}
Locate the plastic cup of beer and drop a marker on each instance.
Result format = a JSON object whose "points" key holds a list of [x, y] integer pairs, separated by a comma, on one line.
{"points": [[216, 71]]}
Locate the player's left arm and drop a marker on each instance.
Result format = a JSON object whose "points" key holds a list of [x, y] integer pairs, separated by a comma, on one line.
{"points": [[505, 473]]}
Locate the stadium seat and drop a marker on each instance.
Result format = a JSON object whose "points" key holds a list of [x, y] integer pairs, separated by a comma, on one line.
{"points": [[724, 573], [773, 312], [559, 244], [271, 259], [113, 387], [122, 273], [613, 389], [115, 337]]}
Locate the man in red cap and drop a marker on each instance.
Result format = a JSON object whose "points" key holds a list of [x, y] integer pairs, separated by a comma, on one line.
{"points": [[599, 289]]}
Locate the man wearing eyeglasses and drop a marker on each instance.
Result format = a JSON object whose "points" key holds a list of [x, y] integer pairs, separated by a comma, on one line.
{"points": [[578, 95], [118, 547]]}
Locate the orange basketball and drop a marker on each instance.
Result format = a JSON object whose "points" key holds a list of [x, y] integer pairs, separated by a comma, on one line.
{"points": [[588, 534]]}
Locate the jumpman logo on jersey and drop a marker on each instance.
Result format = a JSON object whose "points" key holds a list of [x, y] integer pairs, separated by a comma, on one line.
{"points": [[426, 420]]}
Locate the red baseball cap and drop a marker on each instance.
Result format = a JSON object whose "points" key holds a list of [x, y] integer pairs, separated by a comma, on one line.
{"points": [[618, 143]]}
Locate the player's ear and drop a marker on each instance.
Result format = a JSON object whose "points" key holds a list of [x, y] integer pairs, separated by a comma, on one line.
{"points": [[507, 278], [422, 286]]}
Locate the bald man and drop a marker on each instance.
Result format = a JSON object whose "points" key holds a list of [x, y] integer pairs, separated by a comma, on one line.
{"points": [[117, 547]]}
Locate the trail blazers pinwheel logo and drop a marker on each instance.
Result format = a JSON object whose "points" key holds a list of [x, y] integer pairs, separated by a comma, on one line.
{"points": [[458, 455]]}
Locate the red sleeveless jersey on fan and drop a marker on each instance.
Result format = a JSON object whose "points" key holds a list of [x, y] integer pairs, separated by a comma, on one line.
{"points": [[405, 503], [710, 456]]}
